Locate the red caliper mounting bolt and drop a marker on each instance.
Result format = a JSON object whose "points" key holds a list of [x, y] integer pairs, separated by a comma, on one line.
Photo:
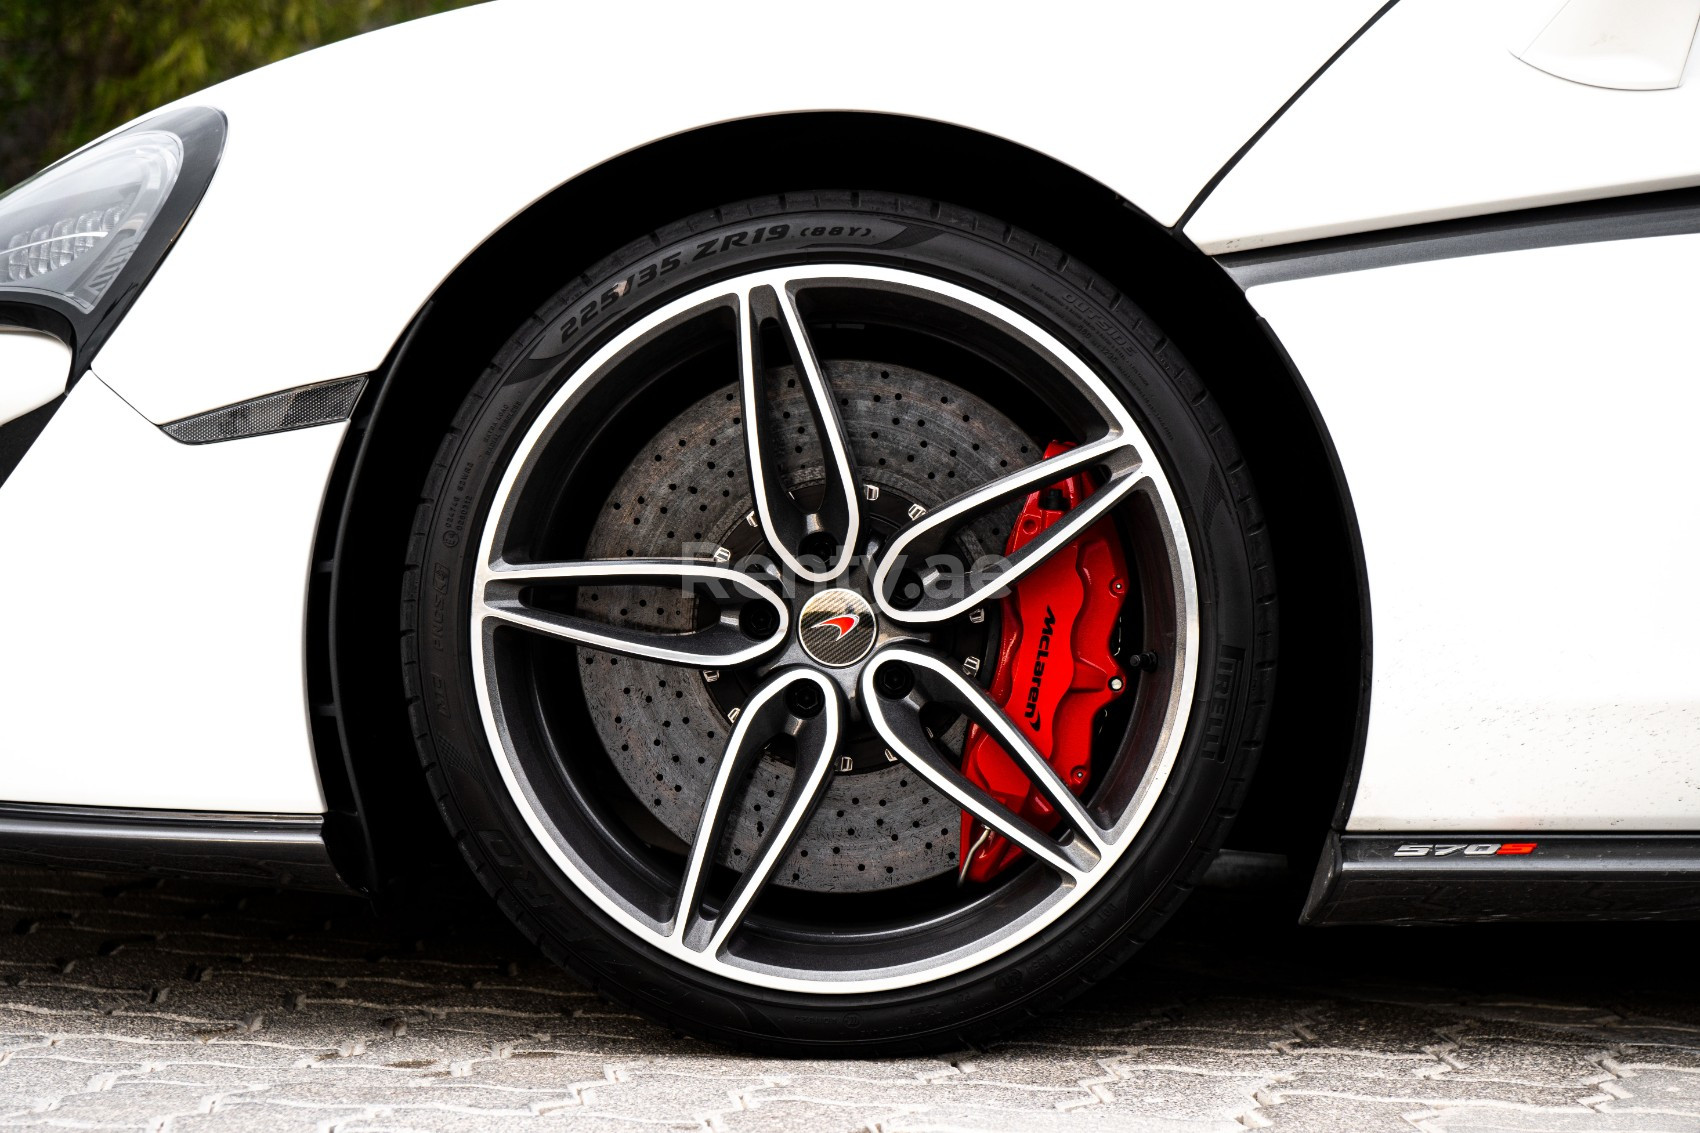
{"points": [[1054, 669]]}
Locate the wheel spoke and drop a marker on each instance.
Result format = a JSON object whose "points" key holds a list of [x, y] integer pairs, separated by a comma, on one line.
{"points": [[816, 741], [502, 588], [783, 520], [898, 722], [944, 595]]}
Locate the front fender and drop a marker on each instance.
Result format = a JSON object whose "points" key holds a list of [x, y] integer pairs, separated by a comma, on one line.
{"points": [[356, 177]]}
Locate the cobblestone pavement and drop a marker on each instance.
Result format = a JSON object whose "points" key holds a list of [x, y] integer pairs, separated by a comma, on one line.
{"points": [[138, 1004]]}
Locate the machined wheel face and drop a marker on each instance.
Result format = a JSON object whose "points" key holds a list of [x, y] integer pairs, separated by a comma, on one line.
{"points": [[839, 620], [841, 626]]}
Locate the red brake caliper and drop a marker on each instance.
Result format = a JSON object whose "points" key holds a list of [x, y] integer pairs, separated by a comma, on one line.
{"points": [[1054, 669]]}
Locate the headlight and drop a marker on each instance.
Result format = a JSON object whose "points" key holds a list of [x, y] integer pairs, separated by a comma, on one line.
{"points": [[81, 237], [70, 230]]}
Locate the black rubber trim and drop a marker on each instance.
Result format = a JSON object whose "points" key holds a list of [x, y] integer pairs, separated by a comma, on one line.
{"points": [[268, 849], [1671, 212], [1210, 185], [1360, 578], [1448, 878], [349, 826], [18, 434]]}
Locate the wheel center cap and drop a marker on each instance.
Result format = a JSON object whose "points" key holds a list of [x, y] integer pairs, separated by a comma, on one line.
{"points": [[837, 627]]}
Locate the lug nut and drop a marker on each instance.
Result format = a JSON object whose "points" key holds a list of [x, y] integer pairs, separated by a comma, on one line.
{"points": [[906, 590], [821, 546], [805, 698], [758, 620], [894, 680]]}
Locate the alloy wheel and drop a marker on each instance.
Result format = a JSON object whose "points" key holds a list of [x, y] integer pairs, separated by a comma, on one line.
{"points": [[835, 623]]}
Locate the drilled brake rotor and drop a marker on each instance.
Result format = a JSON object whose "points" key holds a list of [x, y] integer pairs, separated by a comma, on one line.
{"points": [[918, 439]]}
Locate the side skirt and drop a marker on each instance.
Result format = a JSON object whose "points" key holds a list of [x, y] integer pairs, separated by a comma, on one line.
{"points": [[264, 849], [1449, 878]]}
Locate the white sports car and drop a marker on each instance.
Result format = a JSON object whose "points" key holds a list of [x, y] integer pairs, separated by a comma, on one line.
{"points": [[804, 494]]}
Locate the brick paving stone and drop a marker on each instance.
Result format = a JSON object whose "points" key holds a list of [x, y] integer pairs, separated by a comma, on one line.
{"points": [[176, 1007]]}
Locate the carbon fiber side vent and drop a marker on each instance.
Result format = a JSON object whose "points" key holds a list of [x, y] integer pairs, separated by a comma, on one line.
{"points": [[300, 408]]}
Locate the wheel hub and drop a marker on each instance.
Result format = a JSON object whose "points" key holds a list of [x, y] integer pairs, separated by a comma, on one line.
{"points": [[837, 628]]}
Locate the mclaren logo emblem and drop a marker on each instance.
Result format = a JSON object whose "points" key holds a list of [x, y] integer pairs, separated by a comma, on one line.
{"points": [[837, 627], [843, 623]]}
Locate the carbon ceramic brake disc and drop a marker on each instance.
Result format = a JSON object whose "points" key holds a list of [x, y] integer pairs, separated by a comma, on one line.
{"points": [[916, 437]]}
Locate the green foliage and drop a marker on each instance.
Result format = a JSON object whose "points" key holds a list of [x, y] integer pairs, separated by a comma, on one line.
{"points": [[72, 69]]}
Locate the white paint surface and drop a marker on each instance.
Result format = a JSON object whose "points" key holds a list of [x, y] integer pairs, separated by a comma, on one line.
{"points": [[1620, 44], [1518, 434], [1430, 117], [34, 368], [152, 605]]}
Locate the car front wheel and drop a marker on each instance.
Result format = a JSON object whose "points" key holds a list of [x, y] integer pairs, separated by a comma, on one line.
{"points": [[839, 622]]}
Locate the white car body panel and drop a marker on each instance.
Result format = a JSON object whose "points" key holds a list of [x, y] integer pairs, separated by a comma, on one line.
{"points": [[356, 177], [1517, 431], [154, 599], [1429, 117], [36, 369]]}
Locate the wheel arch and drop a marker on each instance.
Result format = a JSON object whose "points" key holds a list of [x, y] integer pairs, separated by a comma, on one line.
{"points": [[365, 752]]}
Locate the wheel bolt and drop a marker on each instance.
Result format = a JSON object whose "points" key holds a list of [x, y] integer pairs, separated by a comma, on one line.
{"points": [[821, 546], [894, 680], [805, 698], [906, 592], [758, 620]]}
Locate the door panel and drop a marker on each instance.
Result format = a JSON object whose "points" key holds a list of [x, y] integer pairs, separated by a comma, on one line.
{"points": [[1517, 430], [1429, 116]]}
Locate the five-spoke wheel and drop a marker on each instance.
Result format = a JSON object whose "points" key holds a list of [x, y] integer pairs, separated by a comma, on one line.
{"points": [[719, 582]]}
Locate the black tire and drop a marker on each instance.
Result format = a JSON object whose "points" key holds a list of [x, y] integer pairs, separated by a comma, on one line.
{"points": [[1235, 607]]}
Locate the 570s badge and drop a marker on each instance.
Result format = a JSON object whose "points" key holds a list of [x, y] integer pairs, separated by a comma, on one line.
{"points": [[1467, 849]]}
